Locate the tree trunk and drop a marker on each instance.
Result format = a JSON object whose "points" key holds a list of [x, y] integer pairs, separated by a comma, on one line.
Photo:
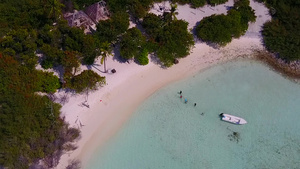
{"points": [[105, 71]]}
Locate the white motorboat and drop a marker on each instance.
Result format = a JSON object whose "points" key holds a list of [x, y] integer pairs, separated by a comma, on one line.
{"points": [[232, 119]]}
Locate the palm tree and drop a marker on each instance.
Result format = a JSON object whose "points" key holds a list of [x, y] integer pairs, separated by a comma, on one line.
{"points": [[55, 10], [105, 50], [170, 16], [173, 11]]}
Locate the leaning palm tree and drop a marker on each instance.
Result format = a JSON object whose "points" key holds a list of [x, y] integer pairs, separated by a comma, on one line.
{"points": [[106, 51]]}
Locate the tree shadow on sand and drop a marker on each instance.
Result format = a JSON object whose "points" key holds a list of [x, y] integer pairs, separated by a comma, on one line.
{"points": [[117, 54], [154, 59], [94, 66]]}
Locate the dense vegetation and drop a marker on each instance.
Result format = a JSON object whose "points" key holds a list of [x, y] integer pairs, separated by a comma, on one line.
{"points": [[220, 29], [193, 3], [143, 59], [132, 44], [169, 36], [139, 8], [46, 81], [17, 14], [30, 126], [109, 30], [216, 2], [86, 80], [172, 39], [51, 39], [81, 4], [200, 3], [281, 35]]}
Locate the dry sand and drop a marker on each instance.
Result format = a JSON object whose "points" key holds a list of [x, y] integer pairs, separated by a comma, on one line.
{"points": [[113, 104]]}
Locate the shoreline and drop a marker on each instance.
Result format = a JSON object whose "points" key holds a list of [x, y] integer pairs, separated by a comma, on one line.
{"points": [[288, 70], [112, 105], [104, 119], [106, 131]]}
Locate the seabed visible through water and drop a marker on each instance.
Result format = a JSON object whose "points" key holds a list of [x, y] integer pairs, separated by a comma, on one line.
{"points": [[167, 133]]}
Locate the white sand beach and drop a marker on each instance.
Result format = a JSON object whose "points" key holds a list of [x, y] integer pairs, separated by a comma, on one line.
{"points": [[113, 104]]}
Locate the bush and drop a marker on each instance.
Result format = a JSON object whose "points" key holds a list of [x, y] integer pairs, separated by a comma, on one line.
{"points": [[215, 28], [47, 64], [216, 2], [52, 56], [89, 60], [152, 25], [81, 4], [143, 57], [197, 3], [151, 46], [220, 29], [48, 82], [281, 35], [109, 30], [169, 38], [131, 43], [30, 124], [87, 79]]}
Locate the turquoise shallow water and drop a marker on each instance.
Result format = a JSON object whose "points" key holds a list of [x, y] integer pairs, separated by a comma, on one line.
{"points": [[167, 133]]}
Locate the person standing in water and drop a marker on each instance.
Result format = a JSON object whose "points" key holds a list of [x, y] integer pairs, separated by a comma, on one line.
{"points": [[180, 92], [195, 104], [185, 101]]}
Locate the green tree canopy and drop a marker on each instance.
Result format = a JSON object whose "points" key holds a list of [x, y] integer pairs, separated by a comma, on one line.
{"points": [[30, 126], [281, 34], [52, 56], [90, 49], [54, 40], [216, 2], [105, 52], [143, 59], [152, 24], [29, 14], [55, 7], [81, 4], [220, 29], [87, 79], [173, 39], [21, 45], [50, 35], [109, 30], [139, 8], [215, 28], [47, 82], [73, 40], [193, 3], [175, 42], [70, 63], [132, 43], [199, 3]]}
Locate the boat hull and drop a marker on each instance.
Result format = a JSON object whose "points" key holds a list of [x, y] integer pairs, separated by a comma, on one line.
{"points": [[232, 119]]}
